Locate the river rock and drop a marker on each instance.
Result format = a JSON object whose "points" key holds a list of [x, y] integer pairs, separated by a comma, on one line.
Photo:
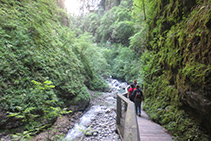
{"points": [[95, 134], [105, 127]]}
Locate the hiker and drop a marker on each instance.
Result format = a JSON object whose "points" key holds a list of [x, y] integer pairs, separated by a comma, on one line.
{"points": [[134, 82], [138, 98], [130, 91]]}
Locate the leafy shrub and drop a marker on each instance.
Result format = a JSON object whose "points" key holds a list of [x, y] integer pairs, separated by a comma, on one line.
{"points": [[37, 109]]}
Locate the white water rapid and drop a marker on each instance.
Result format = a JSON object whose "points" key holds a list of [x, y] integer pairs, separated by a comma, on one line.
{"points": [[84, 122]]}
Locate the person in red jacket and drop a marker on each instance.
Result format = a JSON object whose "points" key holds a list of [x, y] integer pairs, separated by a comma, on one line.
{"points": [[130, 91]]}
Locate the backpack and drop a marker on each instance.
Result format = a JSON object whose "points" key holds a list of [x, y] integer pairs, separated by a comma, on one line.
{"points": [[139, 95], [131, 97]]}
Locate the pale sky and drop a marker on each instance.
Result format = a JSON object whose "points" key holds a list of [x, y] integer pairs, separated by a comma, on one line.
{"points": [[72, 6]]}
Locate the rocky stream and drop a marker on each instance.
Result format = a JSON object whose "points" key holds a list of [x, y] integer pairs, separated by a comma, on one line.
{"points": [[97, 122]]}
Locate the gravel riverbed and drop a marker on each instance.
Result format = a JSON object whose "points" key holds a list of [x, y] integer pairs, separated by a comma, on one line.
{"points": [[101, 128]]}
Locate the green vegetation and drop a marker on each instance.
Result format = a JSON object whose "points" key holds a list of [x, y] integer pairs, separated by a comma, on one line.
{"points": [[176, 63], [164, 44], [112, 31], [39, 112], [38, 47]]}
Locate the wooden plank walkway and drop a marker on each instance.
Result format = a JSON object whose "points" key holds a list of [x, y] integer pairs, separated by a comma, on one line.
{"points": [[150, 131]]}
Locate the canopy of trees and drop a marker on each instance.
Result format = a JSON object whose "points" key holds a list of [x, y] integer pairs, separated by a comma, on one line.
{"points": [[170, 56], [53, 57]]}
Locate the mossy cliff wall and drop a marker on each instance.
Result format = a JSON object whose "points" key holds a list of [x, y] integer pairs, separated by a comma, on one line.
{"points": [[36, 44], [177, 65]]}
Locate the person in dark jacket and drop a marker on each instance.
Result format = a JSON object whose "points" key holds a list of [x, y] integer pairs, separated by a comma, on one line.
{"points": [[138, 98]]}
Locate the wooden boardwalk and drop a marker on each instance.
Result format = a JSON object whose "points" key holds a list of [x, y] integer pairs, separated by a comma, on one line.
{"points": [[150, 131]]}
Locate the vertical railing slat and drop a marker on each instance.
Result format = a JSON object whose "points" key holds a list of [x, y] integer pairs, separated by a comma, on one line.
{"points": [[118, 110]]}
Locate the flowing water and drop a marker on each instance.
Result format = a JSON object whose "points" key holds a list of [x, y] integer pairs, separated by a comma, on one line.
{"points": [[103, 106], [84, 121]]}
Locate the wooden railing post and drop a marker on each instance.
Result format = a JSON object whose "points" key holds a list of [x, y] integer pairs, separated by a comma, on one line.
{"points": [[127, 125]]}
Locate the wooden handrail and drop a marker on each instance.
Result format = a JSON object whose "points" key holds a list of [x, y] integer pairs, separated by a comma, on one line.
{"points": [[127, 125]]}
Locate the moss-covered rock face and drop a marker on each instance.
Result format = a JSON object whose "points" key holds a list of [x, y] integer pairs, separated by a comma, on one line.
{"points": [[36, 44], [178, 70]]}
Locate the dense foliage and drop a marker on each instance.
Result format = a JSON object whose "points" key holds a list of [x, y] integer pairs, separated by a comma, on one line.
{"points": [[36, 44], [176, 65], [164, 44], [111, 30], [173, 40]]}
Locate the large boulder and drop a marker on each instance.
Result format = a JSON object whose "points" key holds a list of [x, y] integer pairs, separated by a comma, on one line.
{"points": [[200, 106]]}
